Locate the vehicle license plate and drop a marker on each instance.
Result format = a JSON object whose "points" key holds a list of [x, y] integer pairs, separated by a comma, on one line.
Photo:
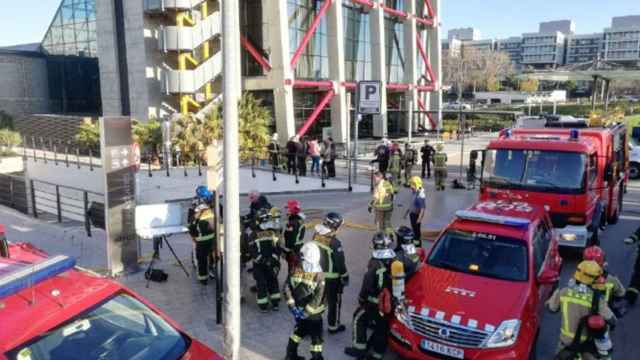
{"points": [[442, 349]]}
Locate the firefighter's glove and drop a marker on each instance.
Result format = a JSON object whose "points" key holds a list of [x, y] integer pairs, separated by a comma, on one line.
{"points": [[297, 313]]}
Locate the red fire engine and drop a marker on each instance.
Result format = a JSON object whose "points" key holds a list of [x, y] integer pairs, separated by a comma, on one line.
{"points": [[480, 294], [50, 309], [578, 174]]}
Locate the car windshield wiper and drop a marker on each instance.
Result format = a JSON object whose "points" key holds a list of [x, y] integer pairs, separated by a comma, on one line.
{"points": [[446, 265], [502, 181]]}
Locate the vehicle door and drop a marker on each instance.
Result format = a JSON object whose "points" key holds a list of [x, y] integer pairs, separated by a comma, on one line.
{"points": [[543, 262], [595, 190]]}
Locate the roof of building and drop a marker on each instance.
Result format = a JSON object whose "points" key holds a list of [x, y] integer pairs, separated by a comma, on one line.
{"points": [[610, 70]]}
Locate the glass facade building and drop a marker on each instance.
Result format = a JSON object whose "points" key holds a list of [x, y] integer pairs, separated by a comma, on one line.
{"points": [[73, 30]]}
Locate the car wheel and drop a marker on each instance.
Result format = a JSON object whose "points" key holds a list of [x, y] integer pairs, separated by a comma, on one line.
{"points": [[634, 171]]}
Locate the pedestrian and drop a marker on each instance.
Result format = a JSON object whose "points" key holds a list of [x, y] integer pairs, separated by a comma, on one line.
{"points": [[257, 202], [577, 302], [274, 151], [314, 152], [292, 150], [633, 290], [612, 288], [334, 266], [440, 167], [427, 152], [293, 234], [382, 202], [329, 158], [395, 168], [406, 251], [265, 254], [202, 231], [416, 209], [304, 292], [371, 312], [382, 156], [410, 159], [301, 151]]}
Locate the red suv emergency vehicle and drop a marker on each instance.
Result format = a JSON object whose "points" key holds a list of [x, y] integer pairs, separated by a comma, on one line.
{"points": [[580, 175], [480, 293], [49, 309]]}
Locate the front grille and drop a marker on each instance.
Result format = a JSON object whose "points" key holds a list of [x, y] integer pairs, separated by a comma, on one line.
{"points": [[458, 335], [559, 220]]}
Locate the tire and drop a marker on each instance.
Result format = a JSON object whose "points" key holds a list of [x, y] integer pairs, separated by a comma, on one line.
{"points": [[634, 171]]}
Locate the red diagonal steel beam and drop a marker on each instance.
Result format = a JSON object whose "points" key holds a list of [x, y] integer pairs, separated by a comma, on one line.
{"points": [[311, 84], [309, 34], [425, 58], [425, 21], [392, 11], [430, 11], [363, 2], [424, 108], [247, 45], [316, 112]]}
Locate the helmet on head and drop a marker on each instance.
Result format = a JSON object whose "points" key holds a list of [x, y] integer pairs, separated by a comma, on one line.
{"points": [[310, 254], [254, 195], [293, 206], [439, 147], [415, 182], [594, 253], [203, 193], [404, 235], [333, 221], [380, 241], [588, 272], [263, 216]]}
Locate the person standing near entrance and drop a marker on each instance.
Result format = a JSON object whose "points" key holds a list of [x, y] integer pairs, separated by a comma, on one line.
{"points": [[440, 167], [314, 152], [416, 209], [274, 151], [427, 152], [292, 150]]}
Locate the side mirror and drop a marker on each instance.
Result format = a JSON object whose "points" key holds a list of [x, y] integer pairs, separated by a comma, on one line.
{"points": [[548, 277]]}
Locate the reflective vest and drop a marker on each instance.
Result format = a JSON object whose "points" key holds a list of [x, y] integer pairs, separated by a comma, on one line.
{"points": [[574, 306], [207, 216], [440, 160], [394, 164], [383, 196]]}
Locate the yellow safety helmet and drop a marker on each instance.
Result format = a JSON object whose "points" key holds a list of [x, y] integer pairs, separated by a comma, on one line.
{"points": [[275, 213], [415, 182], [439, 147], [588, 272]]}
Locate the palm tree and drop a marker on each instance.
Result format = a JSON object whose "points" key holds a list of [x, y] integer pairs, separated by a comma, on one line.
{"points": [[149, 136]]}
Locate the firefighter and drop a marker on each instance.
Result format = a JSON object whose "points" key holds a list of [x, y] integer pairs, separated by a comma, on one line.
{"points": [[577, 303], [257, 202], [427, 152], [611, 287], [265, 254], [410, 159], [440, 167], [334, 266], [406, 251], [633, 290], [293, 234], [202, 231], [417, 208], [382, 202], [304, 292], [382, 155], [395, 168], [377, 280]]}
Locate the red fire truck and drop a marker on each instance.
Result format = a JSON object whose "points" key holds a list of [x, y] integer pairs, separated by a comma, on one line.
{"points": [[50, 309], [579, 174], [480, 294]]}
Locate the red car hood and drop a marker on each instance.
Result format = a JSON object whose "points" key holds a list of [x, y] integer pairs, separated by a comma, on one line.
{"points": [[465, 299], [199, 351]]}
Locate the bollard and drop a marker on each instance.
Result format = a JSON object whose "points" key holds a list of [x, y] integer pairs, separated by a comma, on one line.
{"points": [[24, 148], [149, 164], [55, 153], [295, 168], [66, 154], [44, 151], [78, 157], [184, 166], [253, 166], [33, 199], [199, 165], [90, 159], [87, 219], [58, 204]]}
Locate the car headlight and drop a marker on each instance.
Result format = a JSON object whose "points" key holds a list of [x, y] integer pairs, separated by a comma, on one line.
{"points": [[403, 316], [506, 335], [568, 237]]}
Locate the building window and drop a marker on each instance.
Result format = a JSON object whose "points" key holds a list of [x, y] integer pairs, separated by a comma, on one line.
{"points": [[73, 30]]}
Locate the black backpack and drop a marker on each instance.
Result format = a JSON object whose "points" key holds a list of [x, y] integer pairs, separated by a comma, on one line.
{"points": [[156, 275]]}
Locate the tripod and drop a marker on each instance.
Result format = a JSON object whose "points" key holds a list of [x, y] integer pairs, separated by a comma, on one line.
{"points": [[157, 244]]}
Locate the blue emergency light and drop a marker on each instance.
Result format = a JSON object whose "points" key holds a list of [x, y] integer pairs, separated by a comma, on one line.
{"points": [[574, 134], [33, 274], [494, 219]]}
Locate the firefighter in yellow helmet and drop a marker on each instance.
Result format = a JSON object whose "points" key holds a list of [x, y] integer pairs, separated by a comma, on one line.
{"points": [[578, 301], [440, 167]]}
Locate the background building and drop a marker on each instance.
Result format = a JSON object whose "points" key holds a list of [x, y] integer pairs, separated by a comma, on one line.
{"points": [[622, 39], [464, 34]]}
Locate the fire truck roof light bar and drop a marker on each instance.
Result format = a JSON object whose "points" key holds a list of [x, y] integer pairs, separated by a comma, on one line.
{"points": [[33, 274], [494, 219]]}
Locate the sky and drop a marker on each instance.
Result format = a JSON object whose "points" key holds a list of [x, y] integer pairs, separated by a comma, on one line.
{"points": [[25, 21]]}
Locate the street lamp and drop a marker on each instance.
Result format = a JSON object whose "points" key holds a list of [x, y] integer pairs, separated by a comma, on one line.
{"points": [[166, 141]]}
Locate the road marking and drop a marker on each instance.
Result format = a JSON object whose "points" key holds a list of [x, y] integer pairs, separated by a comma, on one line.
{"points": [[627, 217]]}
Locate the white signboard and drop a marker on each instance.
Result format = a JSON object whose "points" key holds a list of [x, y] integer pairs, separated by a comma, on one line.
{"points": [[369, 97]]}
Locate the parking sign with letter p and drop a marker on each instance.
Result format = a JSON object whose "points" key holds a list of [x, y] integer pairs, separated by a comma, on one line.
{"points": [[369, 97]]}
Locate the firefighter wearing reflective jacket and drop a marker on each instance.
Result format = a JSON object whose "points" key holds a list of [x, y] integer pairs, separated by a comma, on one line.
{"points": [[440, 167], [265, 254], [382, 202], [395, 168], [293, 234], [406, 251], [334, 266], [634, 285], [202, 231], [580, 305], [611, 287], [375, 306], [304, 292]]}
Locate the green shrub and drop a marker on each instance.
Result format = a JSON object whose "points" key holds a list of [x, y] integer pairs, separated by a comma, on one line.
{"points": [[88, 135]]}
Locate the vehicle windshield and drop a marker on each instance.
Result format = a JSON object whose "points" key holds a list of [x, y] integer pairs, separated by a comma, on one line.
{"points": [[546, 171], [120, 328], [480, 254]]}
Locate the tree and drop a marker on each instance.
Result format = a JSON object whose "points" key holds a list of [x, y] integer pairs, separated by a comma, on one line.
{"points": [[529, 85], [477, 69], [254, 127], [148, 135], [88, 135], [493, 85]]}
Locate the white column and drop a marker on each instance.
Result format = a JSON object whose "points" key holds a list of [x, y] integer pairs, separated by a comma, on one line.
{"points": [[379, 67], [410, 62], [435, 57], [335, 43], [277, 41]]}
